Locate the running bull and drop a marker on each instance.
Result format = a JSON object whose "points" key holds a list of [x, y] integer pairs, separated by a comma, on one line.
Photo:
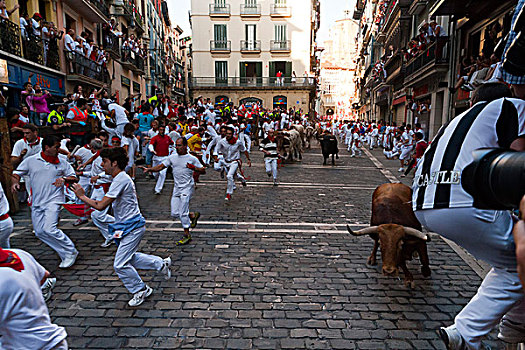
{"points": [[396, 230]]}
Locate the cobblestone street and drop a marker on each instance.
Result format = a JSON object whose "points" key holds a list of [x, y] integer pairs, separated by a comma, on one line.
{"points": [[274, 268]]}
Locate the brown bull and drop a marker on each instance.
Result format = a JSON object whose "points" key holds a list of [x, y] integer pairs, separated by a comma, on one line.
{"points": [[396, 230]]}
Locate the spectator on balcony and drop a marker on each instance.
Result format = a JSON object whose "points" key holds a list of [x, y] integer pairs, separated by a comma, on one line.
{"points": [[46, 37], [79, 56], [24, 26], [69, 45], [35, 24], [78, 93], [4, 12], [441, 38]]}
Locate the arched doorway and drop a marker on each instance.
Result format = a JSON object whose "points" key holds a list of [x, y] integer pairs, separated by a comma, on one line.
{"points": [[248, 102]]}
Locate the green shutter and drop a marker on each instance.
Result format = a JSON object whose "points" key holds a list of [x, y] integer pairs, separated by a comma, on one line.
{"points": [[288, 69], [258, 72], [242, 73], [272, 72]]}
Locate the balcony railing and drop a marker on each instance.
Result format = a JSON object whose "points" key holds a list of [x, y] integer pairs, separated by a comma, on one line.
{"points": [[31, 49], [280, 11], [220, 10], [436, 53], [269, 82], [250, 10], [280, 45], [112, 45], [10, 37], [101, 6], [131, 60], [220, 45], [248, 46], [79, 65]]}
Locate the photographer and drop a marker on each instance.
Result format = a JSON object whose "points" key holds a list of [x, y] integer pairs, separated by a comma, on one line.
{"points": [[442, 205]]}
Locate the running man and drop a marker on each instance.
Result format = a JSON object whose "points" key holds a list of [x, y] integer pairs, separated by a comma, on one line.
{"points": [[271, 156], [129, 226], [183, 165], [48, 173]]}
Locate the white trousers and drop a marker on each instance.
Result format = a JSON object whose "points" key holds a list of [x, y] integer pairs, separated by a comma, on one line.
{"points": [[248, 143], [487, 235], [405, 152], [180, 207], [220, 165], [101, 218], [271, 166], [128, 260], [85, 182], [161, 175], [232, 175], [6, 228], [355, 150], [45, 224]]}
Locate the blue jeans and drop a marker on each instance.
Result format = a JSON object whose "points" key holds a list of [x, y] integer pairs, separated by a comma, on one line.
{"points": [[34, 118]]}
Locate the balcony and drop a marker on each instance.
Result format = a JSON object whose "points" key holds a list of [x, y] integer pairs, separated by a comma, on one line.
{"points": [[220, 46], [111, 44], [394, 67], [132, 61], [82, 69], [250, 46], [250, 10], [280, 11], [269, 83], [31, 49], [433, 60], [417, 7], [91, 10], [220, 10], [280, 46]]}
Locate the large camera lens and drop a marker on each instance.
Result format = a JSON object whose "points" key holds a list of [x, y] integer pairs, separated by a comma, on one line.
{"points": [[495, 179]]}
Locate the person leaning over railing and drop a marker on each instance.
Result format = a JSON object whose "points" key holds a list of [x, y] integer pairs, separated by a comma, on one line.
{"points": [[4, 12]]}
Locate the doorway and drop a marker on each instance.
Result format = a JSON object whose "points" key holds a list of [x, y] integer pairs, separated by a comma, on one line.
{"points": [[251, 73]]}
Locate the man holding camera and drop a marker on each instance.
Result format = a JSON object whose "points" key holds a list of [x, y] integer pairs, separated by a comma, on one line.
{"points": [[442, 205]]}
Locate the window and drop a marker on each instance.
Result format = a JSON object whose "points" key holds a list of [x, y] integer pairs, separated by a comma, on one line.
{"points": [[250, 3], [280, 32], [220, 36], [280, 3], [221, 72], [220, 3], [251, 36]]}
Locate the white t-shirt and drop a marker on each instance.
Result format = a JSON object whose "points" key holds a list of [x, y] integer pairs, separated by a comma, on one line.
{"points": [[125, 205], [36, 27], [85, 154], [120, 113], [98, 170], [407, 139], [42, 175], [24, 317], [133, 146], [22, 144], [174, 136], [69, 43], [182, 176], [4, 204]]}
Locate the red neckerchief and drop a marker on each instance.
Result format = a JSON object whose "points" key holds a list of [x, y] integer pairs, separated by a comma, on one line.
{"points": [[271, 139], [233, 141], [49, 159], [34, 143], [10, 259]]}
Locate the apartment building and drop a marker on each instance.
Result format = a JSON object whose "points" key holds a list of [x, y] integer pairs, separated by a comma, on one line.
{"points": [[402, 84], [262, 51]]}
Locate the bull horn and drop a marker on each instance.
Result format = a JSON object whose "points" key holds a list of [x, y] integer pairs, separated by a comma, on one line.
{"points": [[416, 233], [364, 231]]}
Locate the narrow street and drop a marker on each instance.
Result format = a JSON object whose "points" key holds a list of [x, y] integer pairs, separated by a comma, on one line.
{"points": [[274, 268]]}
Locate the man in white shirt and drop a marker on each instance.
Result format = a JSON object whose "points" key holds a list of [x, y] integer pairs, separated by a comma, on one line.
{"points": [[23, 26], [24, 317], [406, 147], [183, 165], [48, 173], [6, 223], [129, 226], [231, 149], [35, 24], [120, 115]]}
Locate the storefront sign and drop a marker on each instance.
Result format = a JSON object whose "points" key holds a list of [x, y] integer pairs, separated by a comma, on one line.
{"points": [[251, 101], [19, 75], [419, 91]]}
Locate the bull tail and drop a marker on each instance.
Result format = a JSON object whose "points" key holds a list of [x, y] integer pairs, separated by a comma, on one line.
{"points": [[350, 230]]}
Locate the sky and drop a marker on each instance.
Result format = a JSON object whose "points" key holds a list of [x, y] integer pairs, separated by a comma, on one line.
{"points": [[331, 10]]}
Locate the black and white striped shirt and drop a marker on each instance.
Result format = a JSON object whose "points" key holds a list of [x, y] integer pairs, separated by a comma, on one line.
{"points": [[269, 146], [437, 183]]}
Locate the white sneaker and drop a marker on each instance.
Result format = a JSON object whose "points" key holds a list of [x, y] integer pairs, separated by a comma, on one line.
{"points": [[68, 261], [107, 243], [80, 221], [452, 338], [510, 332], [275, 183], [139, 297], [166, 271], [47, 287], [401, 170]]}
